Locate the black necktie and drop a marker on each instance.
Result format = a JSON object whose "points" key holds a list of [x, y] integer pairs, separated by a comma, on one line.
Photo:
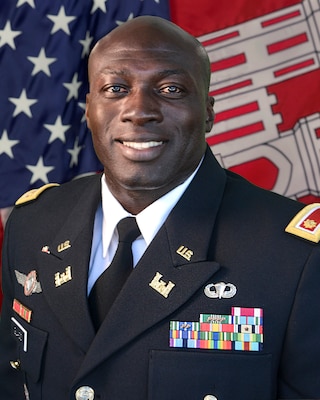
{"points": [[110, 282]]}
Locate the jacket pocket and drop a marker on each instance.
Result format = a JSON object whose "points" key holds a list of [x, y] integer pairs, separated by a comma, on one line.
{"points": [[31, 344], [192, 375]]}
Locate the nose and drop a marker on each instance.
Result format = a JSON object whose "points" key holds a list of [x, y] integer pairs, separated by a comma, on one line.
{"points": [[141, 107]]}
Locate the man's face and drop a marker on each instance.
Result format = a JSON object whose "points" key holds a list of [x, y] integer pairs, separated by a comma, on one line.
{"points": [[146, 110]]}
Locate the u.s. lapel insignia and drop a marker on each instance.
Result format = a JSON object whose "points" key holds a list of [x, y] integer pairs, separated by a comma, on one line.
{"points": [[184, 252], [161, 286], [29, 282], [63, 277], [241, 330], [64, 246], [220, 290]]}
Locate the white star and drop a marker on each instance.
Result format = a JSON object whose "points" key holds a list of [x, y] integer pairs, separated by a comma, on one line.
{"points": [[39, 171], [57, 130], [86, 43], [23, 104], [6, 144], [75, 153], [61, 21], [30, 2], [41, 63], [83, 107], [7, 36], [73, 87], [131, 15], [99, 4]]}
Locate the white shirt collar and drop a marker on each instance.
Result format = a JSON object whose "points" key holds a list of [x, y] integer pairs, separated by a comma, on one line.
{"points": [[149, 220]]}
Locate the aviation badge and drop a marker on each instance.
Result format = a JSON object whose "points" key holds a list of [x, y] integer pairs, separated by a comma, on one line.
{"points": [[29, 282]]}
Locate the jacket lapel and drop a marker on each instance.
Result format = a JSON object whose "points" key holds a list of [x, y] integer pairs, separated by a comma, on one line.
{"points": [[172, 269], [64, 268]]}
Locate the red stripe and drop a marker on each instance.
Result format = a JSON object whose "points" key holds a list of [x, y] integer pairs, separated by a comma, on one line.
{"points": [[236, 133], [287, 43], [221, 38], [318, 133], [237, 111], [230, 88], [294, 67], [282, 18], [228, 62]]}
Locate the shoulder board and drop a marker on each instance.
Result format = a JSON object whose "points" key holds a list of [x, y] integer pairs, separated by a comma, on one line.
{"points": [[306, 224], [33, 194]]}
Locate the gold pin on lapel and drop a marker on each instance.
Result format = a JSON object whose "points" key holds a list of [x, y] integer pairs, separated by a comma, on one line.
{"points": [[64, 246], [184, 252], [63, 277], [161, 286]]}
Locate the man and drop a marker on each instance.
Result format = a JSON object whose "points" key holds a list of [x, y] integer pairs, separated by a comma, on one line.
{"points": [[223, 302]]}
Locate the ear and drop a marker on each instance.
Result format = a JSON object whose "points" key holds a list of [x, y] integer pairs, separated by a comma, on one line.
{"points": [[210, 113], [87, 109]]}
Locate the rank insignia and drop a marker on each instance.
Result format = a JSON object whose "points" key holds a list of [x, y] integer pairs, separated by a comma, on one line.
{"points": [[306, 224], [29, 282], [21, 310], [241, 330]]}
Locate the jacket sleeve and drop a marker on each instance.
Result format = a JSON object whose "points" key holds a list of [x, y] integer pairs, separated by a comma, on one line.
{"points": [[11, 379], [300, 367]]}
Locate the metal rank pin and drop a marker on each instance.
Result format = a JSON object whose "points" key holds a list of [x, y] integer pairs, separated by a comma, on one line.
{"points": [[84, 393]]}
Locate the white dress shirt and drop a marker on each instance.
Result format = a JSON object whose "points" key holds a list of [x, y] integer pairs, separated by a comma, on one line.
{"points": [[107, 217]]}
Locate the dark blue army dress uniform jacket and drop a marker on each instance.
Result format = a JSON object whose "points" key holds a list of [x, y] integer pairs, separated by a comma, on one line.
{"points": [[224, 304]]}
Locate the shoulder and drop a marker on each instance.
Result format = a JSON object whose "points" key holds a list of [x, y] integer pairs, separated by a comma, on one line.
{"points": [[55, 191], [306, 223], [33, 194], [267, 210]]}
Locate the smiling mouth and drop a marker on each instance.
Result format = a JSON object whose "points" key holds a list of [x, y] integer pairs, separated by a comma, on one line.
{"points": [[142, 145]]}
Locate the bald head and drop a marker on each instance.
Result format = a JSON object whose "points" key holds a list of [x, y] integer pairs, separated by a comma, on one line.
{"points": [[151, 32]]}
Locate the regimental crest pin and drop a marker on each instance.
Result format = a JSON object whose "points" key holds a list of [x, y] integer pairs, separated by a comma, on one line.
{"points": [[29, 282], [160, 286], [63, 277]]}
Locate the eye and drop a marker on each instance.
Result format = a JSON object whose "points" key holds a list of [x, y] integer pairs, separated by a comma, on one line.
{"points": [[112, 91], [115, 89], [171, 89]]}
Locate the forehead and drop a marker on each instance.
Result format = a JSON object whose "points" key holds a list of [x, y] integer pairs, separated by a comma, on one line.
{"points": [[151, 59]]}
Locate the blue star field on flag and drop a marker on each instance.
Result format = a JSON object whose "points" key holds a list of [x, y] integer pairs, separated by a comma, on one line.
{"points": [[44, 47]]}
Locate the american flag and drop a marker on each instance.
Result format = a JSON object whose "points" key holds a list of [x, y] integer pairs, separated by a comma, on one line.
{"points": [[265, 78], [44, 46]]}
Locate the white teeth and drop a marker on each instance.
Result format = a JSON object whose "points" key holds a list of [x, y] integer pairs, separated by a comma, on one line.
{"points": [[142, 145]]}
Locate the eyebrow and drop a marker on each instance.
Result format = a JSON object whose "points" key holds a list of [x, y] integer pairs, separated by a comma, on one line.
{"points": [[162, 73]]}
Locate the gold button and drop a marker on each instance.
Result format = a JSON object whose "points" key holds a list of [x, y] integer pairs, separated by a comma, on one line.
{"points": [[15, 364], [85, 393], [210, 397]]}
